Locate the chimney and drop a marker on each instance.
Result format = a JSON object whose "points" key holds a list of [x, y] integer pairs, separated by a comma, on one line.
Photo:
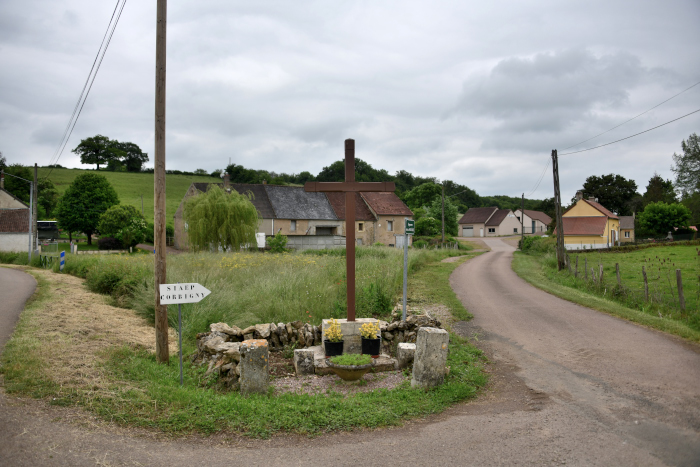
{"points": [[2, 179], [227, 182], [579, 195], [591, 198], [264, 182]]}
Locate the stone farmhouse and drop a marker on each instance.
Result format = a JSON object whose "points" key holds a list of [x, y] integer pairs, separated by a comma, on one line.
{"points": [[311, 220], [488, 222], [14, 222]]}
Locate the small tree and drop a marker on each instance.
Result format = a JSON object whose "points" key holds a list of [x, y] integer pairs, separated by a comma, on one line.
{"points": [[277, 243], [85, 200], [435, 210], [661, 218], [428, 226], [124, 223], [220, 219]]}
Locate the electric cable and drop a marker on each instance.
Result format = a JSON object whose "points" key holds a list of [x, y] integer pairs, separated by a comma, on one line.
{"points": [[92, 81]]}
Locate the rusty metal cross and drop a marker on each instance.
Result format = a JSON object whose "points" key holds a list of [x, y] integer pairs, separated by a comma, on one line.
{"points": [[350, 187]]}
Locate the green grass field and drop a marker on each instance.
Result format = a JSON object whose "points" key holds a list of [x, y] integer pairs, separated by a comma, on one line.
{"points": [[131, 186]]}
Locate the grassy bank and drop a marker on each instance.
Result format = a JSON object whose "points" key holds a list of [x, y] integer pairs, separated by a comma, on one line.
{"points": [[131, 388], [626, 301]]}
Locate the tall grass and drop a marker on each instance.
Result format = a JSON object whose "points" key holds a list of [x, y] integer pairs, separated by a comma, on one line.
{"points": [[251, 288]]}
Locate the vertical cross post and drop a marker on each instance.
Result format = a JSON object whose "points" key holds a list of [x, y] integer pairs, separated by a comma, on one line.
{"points": [[350, 187], [350, 227]]}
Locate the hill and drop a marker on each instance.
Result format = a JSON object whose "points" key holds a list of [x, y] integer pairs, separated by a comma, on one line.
{"points": [[130, 186]]}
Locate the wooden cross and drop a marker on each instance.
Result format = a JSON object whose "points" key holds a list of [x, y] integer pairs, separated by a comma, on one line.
{"points": [[350, 187]]}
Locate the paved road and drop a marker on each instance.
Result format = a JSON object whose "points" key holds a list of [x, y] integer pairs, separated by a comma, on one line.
{"points": [[570, 386], [15, 289]]}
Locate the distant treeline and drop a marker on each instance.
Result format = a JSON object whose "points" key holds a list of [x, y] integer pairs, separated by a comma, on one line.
{"points": [[406, 185]]}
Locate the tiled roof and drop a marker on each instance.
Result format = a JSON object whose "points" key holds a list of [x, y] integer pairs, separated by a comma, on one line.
{"points": [[627, 222], [538, 216], [386, 203], [498, 217], [584, 225], [477, 215], [260, 199], [337, 200], [292, 202], [14, 220]]}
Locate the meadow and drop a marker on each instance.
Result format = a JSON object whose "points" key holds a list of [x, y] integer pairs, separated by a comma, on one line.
{"points": [[660, 264], [131, 186], [251, 287]]}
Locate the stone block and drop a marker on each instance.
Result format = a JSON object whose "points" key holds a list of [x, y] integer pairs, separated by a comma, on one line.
{"points": [[404, 355], [304, 362], [430, 357], [254, 366]]}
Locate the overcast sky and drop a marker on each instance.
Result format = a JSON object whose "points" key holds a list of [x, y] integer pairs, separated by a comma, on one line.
{"points": [[474, 92]]}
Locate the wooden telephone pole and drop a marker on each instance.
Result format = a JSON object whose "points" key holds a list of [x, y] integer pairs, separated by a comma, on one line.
{"points": [[561, 255], [443, 214], [522, 222], [162, 353]]}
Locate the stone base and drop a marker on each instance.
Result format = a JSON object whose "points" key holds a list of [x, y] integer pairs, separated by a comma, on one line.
{"points": [[351, 333], [383, 363]]}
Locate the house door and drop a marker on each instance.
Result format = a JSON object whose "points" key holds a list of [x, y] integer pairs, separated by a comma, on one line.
{"points": [[481, 232], [468, 231]]}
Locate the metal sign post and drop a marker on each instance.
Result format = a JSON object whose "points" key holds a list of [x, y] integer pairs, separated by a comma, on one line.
{"points": [[409, 229], [181, 293]]}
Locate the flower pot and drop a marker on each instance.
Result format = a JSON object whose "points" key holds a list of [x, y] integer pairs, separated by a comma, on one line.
{"points": [[333, 348], [371, 347], [349, 372]]}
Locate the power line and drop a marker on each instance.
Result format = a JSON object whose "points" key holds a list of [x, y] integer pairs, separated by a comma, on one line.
{"points": [[631, 136], [627, 121], [540, 179], [91, 78]]}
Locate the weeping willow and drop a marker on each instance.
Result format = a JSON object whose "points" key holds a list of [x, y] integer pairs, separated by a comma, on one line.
{"points": [[217, 219]]}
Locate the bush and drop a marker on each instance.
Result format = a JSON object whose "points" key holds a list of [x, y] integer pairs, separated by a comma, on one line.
{"points": [[109, 243], [420, 244], [277, 243], [537, 244], [124, 223]]}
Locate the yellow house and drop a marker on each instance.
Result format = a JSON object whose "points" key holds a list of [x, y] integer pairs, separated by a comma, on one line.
{"points": [[589, 225]]}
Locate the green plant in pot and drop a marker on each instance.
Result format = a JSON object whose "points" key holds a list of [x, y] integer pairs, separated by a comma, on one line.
{"points": [[371, 342], [333, 339], [350, 367]]}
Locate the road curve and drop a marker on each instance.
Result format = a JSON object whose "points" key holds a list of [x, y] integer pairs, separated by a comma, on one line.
{"points": [[15, 289], [637, 386]]}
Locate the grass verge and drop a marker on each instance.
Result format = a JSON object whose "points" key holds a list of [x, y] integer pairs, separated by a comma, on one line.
{"points": [[531, 269], [127, 386]]}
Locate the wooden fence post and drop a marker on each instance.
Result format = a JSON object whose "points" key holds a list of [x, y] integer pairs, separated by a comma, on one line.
{"points": [[646, 285], [679, 281], [617, 272], [600, 274], [576, 268]]}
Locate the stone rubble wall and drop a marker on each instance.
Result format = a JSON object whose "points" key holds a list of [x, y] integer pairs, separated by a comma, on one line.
{"points": [[220, 347]]}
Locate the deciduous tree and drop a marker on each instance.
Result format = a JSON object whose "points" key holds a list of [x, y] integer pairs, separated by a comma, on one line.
{"points": [[613, 191], [661, 218], [85, 200], [220, 219], [686, 166], [124, 223], [94, 150]]}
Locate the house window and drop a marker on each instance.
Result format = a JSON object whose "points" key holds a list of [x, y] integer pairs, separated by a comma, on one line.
{"points": [[390, 226], [293, 226], [627, 234], [515, 230], [360, 226], [492, 230]]}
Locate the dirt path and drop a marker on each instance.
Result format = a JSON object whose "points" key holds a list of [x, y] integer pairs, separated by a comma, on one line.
{"points": [[569, 386]]}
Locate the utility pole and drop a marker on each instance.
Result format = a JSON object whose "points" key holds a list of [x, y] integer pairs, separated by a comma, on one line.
{"points": [[522, 222], [443, 214], [561, 256], [161, 311], [34, 195]]}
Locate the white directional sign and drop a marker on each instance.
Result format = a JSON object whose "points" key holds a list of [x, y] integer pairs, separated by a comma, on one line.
{"points": [[182, 293]]}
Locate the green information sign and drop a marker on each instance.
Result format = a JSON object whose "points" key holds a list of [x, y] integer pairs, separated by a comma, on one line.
{"points": [[410, 227]]}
